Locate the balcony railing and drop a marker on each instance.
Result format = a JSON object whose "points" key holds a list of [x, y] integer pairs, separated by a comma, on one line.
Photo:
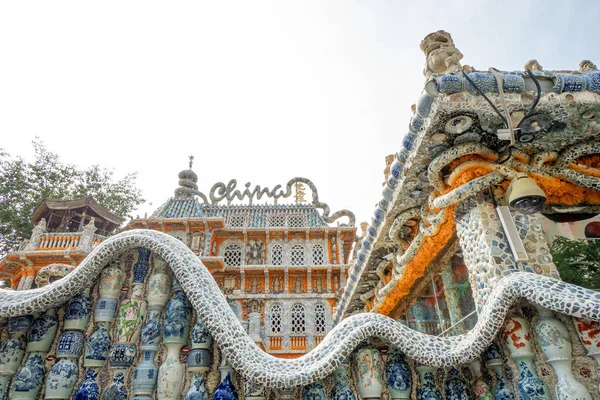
{"points": [[297, 342], [65, 241], [275, 343]]}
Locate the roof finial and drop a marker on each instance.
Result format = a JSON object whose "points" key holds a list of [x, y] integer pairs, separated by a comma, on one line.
{"points": [[191, 161]]}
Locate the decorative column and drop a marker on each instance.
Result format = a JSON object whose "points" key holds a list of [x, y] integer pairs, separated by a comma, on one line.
{"points": [[254, 327], [12, 351], [342, 389], [178, 315], [517, 336], [28, 381], [131, 315], [369, 372], [481, 390], [452, 298], [64, 374], [427, 390], [159, 289], [399, 377], [555, 342], [493, 359], [199, 362], [589, 334]]}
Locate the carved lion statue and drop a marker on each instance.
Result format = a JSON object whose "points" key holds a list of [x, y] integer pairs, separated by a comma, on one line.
{"points": [[441, 55], [51, 273]]}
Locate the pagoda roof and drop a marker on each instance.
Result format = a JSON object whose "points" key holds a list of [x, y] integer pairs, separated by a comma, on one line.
{"points": [[48, 205]]}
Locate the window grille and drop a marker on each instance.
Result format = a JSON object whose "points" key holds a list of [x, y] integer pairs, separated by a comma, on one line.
{"points": [[318, 254], [296, 221], [297, 256], [232, 255], [277, 220], [276, 319], [298, 319], [320, 318], [277, 254], [237, 220]]}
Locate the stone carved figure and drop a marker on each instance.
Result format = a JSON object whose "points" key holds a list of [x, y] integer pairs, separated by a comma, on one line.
{"points": [[197, 240], [86, 243], [587, 65], [441, 54], [533, 66], [51, 273], [36, 235], [255, 250]]}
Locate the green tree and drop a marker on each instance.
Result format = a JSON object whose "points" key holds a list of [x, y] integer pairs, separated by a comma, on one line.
{"points": [[24, 184], [578, 261]]}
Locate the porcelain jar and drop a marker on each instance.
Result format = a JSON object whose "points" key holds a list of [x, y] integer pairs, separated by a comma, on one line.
{"points": [[41, 334], [589, 334], [314, 391], [97, 346], [456, 388], [122, 355], [140, 269], [11, 354], [427, 390], [145, 376], [70, 344], [495, 362], [61, 379], [398, 375], [254, 390], [170, 374], [111, 280], [178, 315], [78, 312], [341, 388], [481, 390], [197, 389], [117, 389], [369, 370], [159, 285], [225, 390], [201, 338], [28, 381], [89, 388], [131, 316]]}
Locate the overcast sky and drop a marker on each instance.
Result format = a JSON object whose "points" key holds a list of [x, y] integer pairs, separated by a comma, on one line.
{"points": [[257, 91]]}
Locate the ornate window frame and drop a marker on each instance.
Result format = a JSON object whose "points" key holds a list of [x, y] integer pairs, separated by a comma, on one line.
{"points": [[238, 243], [271, 246]]}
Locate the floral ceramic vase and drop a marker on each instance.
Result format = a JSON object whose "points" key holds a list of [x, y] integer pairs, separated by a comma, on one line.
{"points": [[170, 374], [589, 334], [89, 388], [131, 316], [61, 379], [493, 359], [225, 390], [517, 337], [314, 391], [78, 311], [140, 269], [117, 389], [481, 390], [109, 288], [97, 346], [427, 389], [28, 381], [368, 370], [159, 284], [342, 389], [555, 342], [41, 334], [398, 376], [456, 388]]}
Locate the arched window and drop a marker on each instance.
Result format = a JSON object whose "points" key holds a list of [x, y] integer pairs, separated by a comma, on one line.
{"points": [[320, 318], [232, 255], [318, 254], [298, 319], [276, 319], [297, 255], [277, 254]]}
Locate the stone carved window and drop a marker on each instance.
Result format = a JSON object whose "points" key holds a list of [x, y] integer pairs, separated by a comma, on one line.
{"points": [[298, 321], [297, 255], [276, 319], [232, 255], [277, 254], [320, 324], [296, 221], [237, 220], [276, 220], [318, 254]]}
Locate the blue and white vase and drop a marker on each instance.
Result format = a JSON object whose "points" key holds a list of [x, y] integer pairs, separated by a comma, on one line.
{"points": [[78, 311], [70, 344], [225, 390], [97, 346], [493, 359], [41, 334], [19, 325], [122, 355], [109, 289], [455, 387], [201, 338], [146, 374], [178, 315], [12, 351], [28, 381], [140, 269], [197, 389], [342, 389], [314, 391], [199, 362], [61, 379], [89, 388], [427, 390], [117, 389], [399, 378]]}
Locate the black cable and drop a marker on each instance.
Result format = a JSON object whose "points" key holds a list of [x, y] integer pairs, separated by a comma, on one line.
{"points": [[537, 99], [487, 99]]}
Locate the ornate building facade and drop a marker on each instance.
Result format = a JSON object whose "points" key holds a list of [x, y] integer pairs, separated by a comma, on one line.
{"points": [[452, 291]]}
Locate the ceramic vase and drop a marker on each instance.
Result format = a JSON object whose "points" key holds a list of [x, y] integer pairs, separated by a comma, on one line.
{"points": [[42, 332], [131, 316], [199, 362], [398, 376], [61, 379], [140, 269], [314, 391], [589, 334], [11, 354], [170, 374], [117, 389], [493, 359], [255, 391], [28, 381], [146, 373], [197, 389], [225, 390], [455, 387], [369, 370], [342, 389], [201, 338], [427, 389], [517, 336], [481, 390], [89, 388], [178, 315], [77, 313], [97, 346], [109, 288], [555, 342], [159, 285]]}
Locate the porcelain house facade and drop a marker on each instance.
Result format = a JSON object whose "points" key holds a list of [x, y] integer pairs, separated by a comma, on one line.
{"points": [[451, 291]]}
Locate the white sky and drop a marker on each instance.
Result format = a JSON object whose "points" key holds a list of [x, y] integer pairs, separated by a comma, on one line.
{"points": [[258, 91]]}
